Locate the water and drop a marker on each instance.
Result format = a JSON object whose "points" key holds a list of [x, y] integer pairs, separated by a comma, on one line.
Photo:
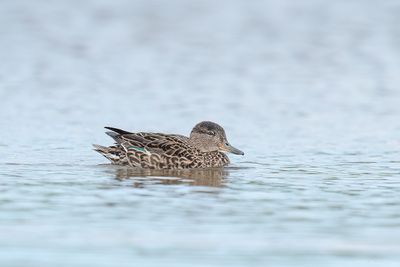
{"points": [[308, 89]]}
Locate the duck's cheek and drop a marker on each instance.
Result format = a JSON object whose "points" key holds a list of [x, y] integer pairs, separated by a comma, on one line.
{"points": [[221, 148]]}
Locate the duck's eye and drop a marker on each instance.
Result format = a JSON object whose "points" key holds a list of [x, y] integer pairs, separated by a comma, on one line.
{"points": [[211, 132]]}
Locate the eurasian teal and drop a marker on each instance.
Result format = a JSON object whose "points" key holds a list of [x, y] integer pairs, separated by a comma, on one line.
{"points": [[205, 148]]}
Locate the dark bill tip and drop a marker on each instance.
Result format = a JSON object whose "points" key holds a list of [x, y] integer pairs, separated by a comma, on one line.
{"points": [[234, 150]]}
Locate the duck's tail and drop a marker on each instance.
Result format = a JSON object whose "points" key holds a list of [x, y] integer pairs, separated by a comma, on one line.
{"points": [[112, 153]]}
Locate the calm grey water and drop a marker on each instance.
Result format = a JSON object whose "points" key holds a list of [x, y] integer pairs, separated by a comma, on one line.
{"points": [[310, 90]]}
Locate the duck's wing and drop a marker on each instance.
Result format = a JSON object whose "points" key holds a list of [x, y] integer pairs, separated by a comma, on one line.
{"points": [[157, 143]]}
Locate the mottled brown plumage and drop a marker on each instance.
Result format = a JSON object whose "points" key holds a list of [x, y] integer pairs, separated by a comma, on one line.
{"points": [[203, 149]]}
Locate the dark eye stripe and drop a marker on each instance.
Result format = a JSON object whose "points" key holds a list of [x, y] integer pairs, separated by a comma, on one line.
{"points": [[206, 132]]}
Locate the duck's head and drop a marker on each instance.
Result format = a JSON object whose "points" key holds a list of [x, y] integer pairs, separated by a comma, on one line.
{"points": [[208, 136]]}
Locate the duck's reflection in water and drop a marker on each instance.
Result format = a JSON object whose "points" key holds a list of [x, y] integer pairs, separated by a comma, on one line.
{"points": [[214, 177]]}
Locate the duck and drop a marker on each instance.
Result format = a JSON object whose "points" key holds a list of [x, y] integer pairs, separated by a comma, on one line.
{"points": [[206, 147]]}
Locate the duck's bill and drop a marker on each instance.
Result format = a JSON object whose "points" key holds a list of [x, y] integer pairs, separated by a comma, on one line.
{"points": [[233, 150]]}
